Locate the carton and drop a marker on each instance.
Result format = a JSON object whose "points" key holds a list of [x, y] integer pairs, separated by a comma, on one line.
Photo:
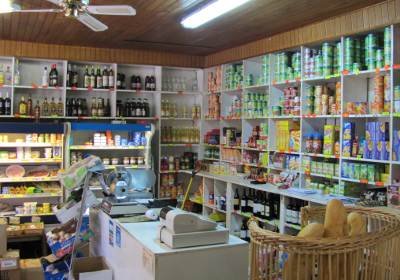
{"points": [[91, 268], [31, 269], [10, 260]]}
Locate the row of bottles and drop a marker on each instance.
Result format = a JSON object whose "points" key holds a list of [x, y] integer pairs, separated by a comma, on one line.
{"points": [[48, 79], [261, 204], [136, 82], [293, 211], [52, 108], [133, 108], [170, 110], [93, 78], [77, 107], [5, 105]]}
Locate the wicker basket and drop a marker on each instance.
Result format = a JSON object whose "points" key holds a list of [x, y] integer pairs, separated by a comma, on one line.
{"points": [[374, 255]]}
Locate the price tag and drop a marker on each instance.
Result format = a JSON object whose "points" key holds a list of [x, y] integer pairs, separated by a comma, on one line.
{"points": [[396, 114], [345, 72], [377, 70], [35, 86], [188, 145], [90, 89], [379, 184], [363, 181], [385, 114], [396, 66], [73, 88], [345, 115], [8, 263], [328, 176], [387, 67], [359, 156]]}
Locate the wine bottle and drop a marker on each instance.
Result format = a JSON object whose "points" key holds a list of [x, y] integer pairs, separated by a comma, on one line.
{"points": [[236, 201], [243, 202], [243, 230], [250, 203]]}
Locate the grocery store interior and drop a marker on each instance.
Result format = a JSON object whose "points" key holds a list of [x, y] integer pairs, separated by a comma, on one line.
{"points": [[199, 139]]}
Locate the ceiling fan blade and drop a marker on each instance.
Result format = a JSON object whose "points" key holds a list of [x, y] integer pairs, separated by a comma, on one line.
{"points": [[39, 11], [92, 23], [55, 2], [113, 10]]}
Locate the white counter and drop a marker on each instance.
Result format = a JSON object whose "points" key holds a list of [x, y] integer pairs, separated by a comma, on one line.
{"points": [[135, 253]]}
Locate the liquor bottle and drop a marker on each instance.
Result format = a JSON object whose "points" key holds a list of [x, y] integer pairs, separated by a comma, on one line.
{"points": [[75, 77], [243, 230], [133, 82], [127, 109], [22, 107], [69, 76], [2, 105], [7, 104], [37, 110], [2, 80], [60, 107], [153, 83], [133, 108], [250, 203], [86, 78], [288, 214], [146, 106], [53, 76], [84, 107], [236, 201], [53, 107], [147, 83], [92, 78], [107, 111], [123, 83], [119, 112], [45, 109], [138, 83], [100, 107], [139, 108], [99, 78], [17, 76], [111, 78], [73, 108], [105, 78], [68, 108], [267, 210], [29, 107], [45, 77], [255, 204], [243, 202], [93, 109], [8, 76]]}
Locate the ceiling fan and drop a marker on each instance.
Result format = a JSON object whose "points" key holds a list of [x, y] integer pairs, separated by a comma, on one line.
{"points": [[78, 9]]}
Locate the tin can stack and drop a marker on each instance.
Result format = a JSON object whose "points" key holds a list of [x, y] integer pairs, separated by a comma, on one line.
{"points": [[321, 100], [323, 62], [287, 66], [233, 76], [255, 105], [214, 80]]}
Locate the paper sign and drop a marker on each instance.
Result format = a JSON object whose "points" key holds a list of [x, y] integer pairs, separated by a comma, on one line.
{"points": [[118, 236]]}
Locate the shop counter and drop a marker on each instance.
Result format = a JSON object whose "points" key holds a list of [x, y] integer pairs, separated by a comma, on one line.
{"points": [[134, 253]]}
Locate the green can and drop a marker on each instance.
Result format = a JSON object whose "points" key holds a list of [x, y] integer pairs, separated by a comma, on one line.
{"points": [[379, 58], [363, 172], [345, 169], [371, 173], [357, 171]]}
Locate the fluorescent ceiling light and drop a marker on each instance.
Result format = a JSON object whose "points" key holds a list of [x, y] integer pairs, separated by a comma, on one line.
{"points": [[211, 12]]}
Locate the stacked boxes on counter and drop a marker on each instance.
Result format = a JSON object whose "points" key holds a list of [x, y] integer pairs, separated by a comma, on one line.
{"points": [[323, 62], [376, 144], [320, 100]]}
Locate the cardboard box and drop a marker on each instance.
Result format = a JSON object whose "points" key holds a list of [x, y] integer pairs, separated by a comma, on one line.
{"points": [[31, 269], [3, 239], [91, 268], [10, 260]]}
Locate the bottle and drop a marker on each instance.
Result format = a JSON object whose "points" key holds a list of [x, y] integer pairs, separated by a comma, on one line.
{"points": [[84, 107], [7, 105], [147, 83], [75, 77], [267, 214], [69, 76], [92, 78], [2, 106], [119, 109], [60, 107], [22, 107], [46, 109], [79, 110], [138, 83], [8, 76], [17, 77], [100, 107], [243, 230], [107, 110], [255, 204], [127, 110], [236, 201], [111, 78], [86, 78], [354, 150], [133, 82], [73, 108], [99, 78], [37, 110], [53, 76], [2, 78], [139, 108], [243, 202], [250, 203], [153, 83], [29, 108], [45, 78], [53, 107], [105, 78], [93, 109], [146, 107], [133, 108]]}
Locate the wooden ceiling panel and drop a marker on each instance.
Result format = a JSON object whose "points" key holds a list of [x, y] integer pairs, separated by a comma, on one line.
{"points": [[157, 24]]}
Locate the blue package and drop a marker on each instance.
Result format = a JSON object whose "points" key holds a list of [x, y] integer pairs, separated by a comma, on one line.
{"points": [[346, 148], [348, 131], [382, 131], [136, 138]]}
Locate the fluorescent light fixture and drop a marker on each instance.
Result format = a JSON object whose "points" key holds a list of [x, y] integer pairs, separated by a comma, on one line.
{"points": [[6, 6], [210, 12]]}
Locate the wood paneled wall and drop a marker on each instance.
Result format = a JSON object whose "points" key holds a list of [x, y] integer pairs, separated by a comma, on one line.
{"points": [[382, 14], [136, 56]]}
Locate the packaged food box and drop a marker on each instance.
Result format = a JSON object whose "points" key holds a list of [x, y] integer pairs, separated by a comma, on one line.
{"points": [[347, 147], [348, 130]]}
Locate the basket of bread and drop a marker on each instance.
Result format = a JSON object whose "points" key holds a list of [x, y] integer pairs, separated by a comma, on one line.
{"points": [[335, 242]]}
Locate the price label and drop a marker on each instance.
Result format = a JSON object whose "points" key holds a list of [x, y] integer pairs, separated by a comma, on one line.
{"points": [[363, 181], [328, 77], [387, 67], [396, 114], [379, 184], [396, 66], [74, 88], [357, 72], [90, 89], [385, 114], [328, 176], [345, 72], [35, 86], [377, 70], [359, 156], [345, 115]]}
